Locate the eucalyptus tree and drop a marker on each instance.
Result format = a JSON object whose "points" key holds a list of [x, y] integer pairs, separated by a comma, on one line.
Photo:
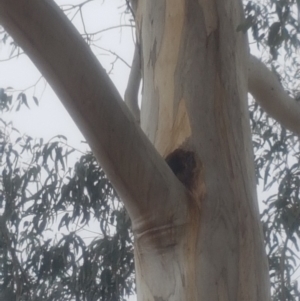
{"points": [[183, 164]]}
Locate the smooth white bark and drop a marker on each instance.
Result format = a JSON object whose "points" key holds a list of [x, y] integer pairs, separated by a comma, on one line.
{"points": [[195, 97], [132, 90], [269, 93], [140, 175]]}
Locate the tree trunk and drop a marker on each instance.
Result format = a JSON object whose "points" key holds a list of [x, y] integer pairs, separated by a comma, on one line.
{"points": [[195, 99], [197, 233]]}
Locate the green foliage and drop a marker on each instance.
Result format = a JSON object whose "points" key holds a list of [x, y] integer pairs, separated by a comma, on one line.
{"points": [[46, 213], [274, 24], [7, 103], [277, 161]]}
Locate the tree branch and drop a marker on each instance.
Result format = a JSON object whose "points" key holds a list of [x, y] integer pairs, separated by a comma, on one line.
{"points": [[132, 4], [137, 171], [132, 91], [268, 92]]}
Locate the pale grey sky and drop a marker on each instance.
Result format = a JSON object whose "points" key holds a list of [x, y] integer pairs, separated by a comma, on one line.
{"points": [[50, 118]]}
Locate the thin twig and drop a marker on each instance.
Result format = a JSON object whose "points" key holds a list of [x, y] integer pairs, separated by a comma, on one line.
{"points": [[111, 28], [12, 57], [113, 53]]}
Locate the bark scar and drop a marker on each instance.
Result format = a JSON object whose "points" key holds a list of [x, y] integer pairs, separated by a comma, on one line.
{"points": [[189, 170]]}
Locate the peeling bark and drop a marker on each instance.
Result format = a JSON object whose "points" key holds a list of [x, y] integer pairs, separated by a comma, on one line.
{"points": [[195, 99]]}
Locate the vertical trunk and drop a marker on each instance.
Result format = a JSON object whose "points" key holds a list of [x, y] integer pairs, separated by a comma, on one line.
{"points": [[195, 99], [200, 240]]}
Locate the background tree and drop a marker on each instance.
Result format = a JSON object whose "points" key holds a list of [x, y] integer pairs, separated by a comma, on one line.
{"points": [[41, 192], [217, 196]]}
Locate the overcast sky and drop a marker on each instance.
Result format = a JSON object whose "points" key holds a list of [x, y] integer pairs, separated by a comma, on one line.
{"points": [[50, 118]]}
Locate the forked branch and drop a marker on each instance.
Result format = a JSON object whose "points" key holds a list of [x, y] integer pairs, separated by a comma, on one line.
{"points": [[140, 175]]}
